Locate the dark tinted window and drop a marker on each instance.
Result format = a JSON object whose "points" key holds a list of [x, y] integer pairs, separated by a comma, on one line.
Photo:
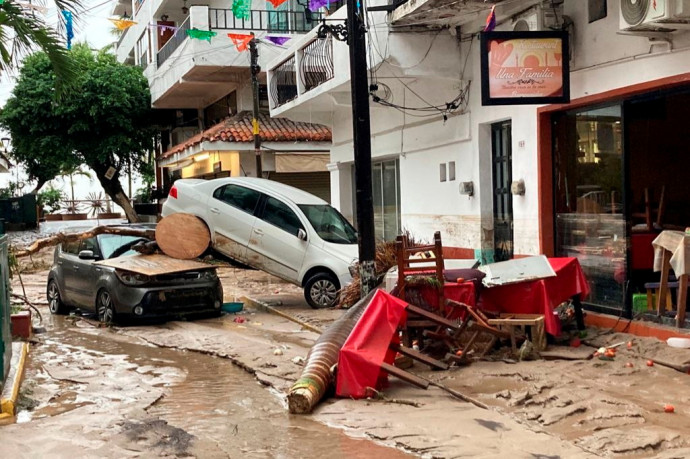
{"points": [[238, 196], [279, 214], [89, 244], [71, 247]]}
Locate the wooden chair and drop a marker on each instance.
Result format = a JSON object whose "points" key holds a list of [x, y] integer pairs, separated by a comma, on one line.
{"points": [[476, 324], [412, 263], [652, 215]]}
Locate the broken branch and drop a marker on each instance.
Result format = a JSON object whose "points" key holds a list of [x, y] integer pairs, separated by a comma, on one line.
{"points": [[62, 238]]}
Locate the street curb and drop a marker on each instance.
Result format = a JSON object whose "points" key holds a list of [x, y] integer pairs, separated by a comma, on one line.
{"points": [[256, 304], [10, 393]]}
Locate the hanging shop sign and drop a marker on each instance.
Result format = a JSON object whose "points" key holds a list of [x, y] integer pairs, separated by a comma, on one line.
{"points": [[524, 68]]}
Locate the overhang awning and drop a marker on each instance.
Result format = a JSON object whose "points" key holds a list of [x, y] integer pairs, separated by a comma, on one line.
{"points": [[301, 162]]}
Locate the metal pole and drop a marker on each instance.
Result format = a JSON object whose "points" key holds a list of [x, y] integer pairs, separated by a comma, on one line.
{"points": [[361, 136], [254, 53]]}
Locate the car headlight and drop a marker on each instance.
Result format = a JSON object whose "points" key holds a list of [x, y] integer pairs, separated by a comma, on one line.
{"points": [[130, 278], [209, 275]]}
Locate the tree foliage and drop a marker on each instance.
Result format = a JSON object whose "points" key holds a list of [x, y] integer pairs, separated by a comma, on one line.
{"points": [[103, 121], [21, 31]]}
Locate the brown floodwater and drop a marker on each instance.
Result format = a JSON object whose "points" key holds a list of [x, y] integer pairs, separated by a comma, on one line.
{"points": [[206, 396]]}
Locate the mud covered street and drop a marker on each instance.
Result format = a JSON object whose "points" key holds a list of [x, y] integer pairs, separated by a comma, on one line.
{"points": [[216, 388]]}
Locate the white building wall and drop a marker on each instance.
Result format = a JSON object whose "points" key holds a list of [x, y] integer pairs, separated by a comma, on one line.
{"points": [[603, 59]]}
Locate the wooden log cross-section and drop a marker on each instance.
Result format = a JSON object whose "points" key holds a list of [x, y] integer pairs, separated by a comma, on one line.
{"points": [[181, 236]]}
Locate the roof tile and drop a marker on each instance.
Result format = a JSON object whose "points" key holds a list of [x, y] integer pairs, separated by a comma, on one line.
{"points": [[238, 128]]}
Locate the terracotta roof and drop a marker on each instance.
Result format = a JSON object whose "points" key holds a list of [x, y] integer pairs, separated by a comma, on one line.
{"points": [[238, 128]]}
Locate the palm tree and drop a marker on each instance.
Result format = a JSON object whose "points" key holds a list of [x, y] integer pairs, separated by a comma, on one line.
{"points": [[73, 171], [21, 31]]}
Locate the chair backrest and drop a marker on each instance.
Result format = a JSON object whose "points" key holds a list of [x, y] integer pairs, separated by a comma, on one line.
{"points": [[410, 263]]}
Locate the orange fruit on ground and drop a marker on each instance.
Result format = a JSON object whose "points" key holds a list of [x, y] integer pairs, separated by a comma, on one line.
{"points": [[650, 363], [669, 409]]}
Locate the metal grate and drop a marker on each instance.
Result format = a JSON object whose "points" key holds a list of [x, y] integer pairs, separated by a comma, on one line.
{"points": [[175, 41], [317, 63], [284, 83]]}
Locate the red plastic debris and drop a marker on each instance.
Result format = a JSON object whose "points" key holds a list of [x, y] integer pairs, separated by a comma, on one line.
{"points": [[238, 320], [669, 409]]}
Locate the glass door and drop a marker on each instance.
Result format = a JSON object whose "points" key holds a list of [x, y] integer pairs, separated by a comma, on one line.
{"points": [[588, 192]]}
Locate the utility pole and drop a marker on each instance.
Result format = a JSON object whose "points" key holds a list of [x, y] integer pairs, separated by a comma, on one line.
{"points": [[361, 137], [254, 53]]}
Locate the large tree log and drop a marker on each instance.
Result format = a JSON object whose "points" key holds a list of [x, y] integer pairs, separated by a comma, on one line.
{"points": [[182, 236], [61, 238]]}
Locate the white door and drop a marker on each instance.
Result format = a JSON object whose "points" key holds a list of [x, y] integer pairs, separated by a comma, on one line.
{"points": [[231, 215], [275, 242]]}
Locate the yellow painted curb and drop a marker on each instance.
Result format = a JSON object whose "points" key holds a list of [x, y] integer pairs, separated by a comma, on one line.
{"points": [[256, 304], [8, 402]]}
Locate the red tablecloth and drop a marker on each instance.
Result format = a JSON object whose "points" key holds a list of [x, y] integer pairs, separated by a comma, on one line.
{"points": [[359, 361], [539, 296], [462, 292]]}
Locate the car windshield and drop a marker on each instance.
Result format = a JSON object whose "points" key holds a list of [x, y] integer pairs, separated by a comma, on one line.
{"points": [[329, 224], [113, 245]]}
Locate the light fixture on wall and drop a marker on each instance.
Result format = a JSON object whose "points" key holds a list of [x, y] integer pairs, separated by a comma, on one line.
{"points": [[164, 17], [185, 10]]}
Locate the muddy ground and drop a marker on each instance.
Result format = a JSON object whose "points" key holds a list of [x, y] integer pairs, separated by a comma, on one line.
{"points": [[189, 389]]}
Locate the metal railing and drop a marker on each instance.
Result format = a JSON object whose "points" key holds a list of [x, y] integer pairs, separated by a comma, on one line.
{"points": [[144, 62], [284, 83], [174, 42], [300, 21], [316, 66]]}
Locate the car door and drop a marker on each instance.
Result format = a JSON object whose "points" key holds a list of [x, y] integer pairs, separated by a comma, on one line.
{"points": [[231, 215], [68, 274], [85, 279], [275, 240]]}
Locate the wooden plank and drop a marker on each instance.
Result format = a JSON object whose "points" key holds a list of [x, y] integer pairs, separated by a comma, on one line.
{"points": [[405, 376], [663, 286], [182, 236], [432, 317], [682, 299], [152, 265], [419, 356], [530, 322]]}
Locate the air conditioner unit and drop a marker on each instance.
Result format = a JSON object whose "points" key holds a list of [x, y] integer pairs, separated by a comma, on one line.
{"points": [[538, 18], [654, 15]]}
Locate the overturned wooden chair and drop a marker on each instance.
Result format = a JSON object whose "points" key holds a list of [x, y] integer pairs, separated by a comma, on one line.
{"points": [[420, 265], [475, 328]]}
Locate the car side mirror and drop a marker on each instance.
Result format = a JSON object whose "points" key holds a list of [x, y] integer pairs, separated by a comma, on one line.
{"points": [[301, 234], [87, 255]]}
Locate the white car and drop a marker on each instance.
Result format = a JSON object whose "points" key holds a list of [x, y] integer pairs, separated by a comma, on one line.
{"points": [[273, 227]]}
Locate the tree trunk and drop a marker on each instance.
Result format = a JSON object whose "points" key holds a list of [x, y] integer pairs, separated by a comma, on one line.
{"points": [[113, 188], [39, 185]]}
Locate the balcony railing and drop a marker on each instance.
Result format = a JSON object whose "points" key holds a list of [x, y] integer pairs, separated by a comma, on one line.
{"points": [[316, 66], [284, 83], [300, 21], [174, 42]]}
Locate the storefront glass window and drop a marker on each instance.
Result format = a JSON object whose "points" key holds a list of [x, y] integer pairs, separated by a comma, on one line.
{"points": [[588, 185], [385, 180]]}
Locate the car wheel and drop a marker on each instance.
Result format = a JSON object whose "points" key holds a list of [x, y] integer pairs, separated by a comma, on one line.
{"points": [[105, 307], [55, 303], [321, 291]]}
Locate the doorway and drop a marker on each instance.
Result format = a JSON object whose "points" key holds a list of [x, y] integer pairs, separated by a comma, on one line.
{"points": [[502, 171]]}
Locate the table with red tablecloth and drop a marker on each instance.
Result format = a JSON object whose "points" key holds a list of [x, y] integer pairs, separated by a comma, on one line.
{"points": [[540, 296], [462, 292]]}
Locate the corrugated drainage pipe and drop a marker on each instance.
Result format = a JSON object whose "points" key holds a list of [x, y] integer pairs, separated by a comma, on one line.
{"points": [[316, 376]]}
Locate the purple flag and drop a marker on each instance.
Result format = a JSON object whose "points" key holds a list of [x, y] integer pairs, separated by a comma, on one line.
{"points": [[316, 4], [491, 20], [277, 40]]}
